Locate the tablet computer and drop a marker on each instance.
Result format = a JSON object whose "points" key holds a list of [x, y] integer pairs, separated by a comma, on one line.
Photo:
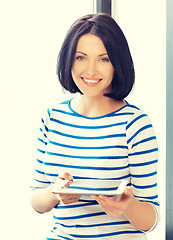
{"points": [[91, 187]]}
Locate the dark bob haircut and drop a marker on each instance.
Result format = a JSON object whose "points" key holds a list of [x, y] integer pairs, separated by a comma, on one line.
{"points": [[105, 27]]}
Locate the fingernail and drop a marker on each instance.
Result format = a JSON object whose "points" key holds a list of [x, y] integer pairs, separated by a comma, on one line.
{"points": [[70, 178]]}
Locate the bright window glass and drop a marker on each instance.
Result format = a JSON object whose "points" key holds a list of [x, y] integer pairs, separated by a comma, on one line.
{"points": [[31, 35]]}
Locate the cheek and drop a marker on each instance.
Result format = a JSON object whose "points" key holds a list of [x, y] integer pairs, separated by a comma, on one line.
{"points": [[112, 72], [75, 70], [75, 75], [107, 71]]}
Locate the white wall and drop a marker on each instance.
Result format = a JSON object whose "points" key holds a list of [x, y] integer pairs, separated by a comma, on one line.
{"points": [[31, 34], [144, 25]]}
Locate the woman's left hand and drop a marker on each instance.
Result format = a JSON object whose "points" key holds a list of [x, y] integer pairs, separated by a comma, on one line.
{"points": [[113, 207]]}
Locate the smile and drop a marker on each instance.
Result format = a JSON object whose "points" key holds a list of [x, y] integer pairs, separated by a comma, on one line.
{"points": [[91, 81]]}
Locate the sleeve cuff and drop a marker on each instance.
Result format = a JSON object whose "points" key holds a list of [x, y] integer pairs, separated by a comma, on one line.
{"points": [[157, 219]]}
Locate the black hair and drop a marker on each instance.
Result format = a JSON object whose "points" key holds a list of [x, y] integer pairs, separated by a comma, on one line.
{"points": [[106, 28]]}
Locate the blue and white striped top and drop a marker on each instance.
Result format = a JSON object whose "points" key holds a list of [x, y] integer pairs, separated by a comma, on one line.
{"points": [[116, 146]]}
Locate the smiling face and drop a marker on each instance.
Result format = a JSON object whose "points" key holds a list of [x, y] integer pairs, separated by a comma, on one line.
{"points": [[92, 70]]}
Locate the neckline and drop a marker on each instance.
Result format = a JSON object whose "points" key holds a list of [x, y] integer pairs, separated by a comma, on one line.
{"points": [[103, 116]]}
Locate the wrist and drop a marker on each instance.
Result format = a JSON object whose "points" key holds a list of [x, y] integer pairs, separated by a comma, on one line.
{"points": [[53, 196], [140, 214], [133, 205]]}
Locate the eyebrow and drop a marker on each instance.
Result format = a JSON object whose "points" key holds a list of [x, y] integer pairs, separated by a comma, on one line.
{"points": [[100, 55]]}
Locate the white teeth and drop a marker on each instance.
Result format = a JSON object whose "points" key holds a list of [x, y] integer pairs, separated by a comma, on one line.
{"points": [[90, 80]]}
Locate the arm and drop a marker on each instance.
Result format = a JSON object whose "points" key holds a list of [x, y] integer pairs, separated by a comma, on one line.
{"points": [[142, 207], [43, 200], [140, 214], [143, 159]]}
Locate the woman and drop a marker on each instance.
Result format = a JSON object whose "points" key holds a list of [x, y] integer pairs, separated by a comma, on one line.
{"points": [[97, 135]]}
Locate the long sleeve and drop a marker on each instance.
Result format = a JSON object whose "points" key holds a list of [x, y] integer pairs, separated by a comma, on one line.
{"points": [[120, 145], [40, 179], [143, 159]]}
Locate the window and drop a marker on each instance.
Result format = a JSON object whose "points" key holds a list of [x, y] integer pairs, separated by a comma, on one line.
{"points": [[31, 35]]}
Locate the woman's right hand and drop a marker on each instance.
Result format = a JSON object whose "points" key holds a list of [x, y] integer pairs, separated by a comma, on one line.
{"points": [[67, 198]]}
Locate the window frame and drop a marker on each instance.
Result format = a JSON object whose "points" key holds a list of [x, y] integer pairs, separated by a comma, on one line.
{"points": [[169, 120], [104, 6]]}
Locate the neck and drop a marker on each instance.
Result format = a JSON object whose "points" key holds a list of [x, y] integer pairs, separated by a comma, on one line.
{"points": [[94, 107]]}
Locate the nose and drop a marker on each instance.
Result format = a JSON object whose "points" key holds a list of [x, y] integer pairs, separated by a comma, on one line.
{"points": [[92, 68]]}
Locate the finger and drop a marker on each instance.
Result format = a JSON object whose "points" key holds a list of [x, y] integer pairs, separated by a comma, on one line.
{"points": [[127, 194], [68, 183], [128, 191], [66, 176], [117, 198], [102, 200], [69, 198], [101, 197], [69, 201], [105, 203], [96, 197]]}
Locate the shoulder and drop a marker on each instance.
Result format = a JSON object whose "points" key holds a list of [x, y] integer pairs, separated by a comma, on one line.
{"points": [[54, 111], [138, 115], [60, 107], [139, 125], [133, 114]]}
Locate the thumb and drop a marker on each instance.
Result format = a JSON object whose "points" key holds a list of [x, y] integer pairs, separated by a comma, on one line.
{"points": [[128, 191]]}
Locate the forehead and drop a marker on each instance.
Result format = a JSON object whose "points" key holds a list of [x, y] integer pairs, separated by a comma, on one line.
{"points": [[90, 43]]}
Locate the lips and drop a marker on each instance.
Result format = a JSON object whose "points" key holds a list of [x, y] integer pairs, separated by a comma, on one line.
{"points": [[91, 81]]}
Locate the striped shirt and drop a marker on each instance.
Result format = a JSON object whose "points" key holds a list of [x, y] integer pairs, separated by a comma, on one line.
{"points": [[119, 145]]}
